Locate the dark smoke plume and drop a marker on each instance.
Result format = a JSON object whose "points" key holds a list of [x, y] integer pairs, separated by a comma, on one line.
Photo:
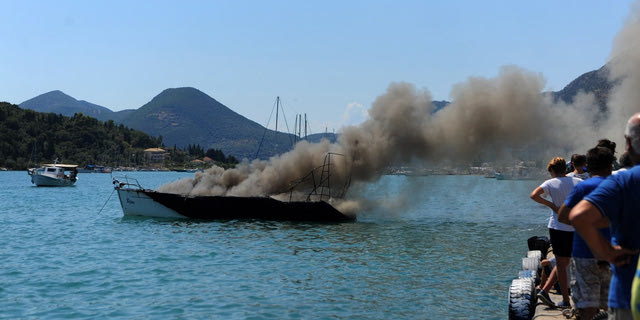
{"points": [[505, 118], [625, 68]]}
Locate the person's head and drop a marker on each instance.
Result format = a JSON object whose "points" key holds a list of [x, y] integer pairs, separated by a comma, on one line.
{"points": [[607, 144], [625, 160], [557, 166], [578, 161], [632, 136], [569, 167], [599, 160]]}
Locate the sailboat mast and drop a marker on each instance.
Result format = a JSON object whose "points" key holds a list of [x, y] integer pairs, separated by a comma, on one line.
{"points": [[277, 107], [295, 136]]}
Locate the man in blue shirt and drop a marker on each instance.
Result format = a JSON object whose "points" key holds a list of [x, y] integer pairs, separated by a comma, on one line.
{"points": [[589, 281], [618, 200]]}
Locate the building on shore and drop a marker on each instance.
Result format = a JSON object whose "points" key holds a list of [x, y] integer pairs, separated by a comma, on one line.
{"points": [[155, 156]]}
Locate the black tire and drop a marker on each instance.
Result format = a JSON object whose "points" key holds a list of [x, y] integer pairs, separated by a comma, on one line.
{"points": [[530, 264], [539, 243], [521, 299]]}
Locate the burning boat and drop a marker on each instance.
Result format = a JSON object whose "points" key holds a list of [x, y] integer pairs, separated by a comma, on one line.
{"points": [[138, 201], [144, 202]]}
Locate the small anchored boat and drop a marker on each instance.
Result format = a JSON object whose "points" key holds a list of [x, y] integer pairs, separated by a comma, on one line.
{"points": [[54, 175], [137, 201]]}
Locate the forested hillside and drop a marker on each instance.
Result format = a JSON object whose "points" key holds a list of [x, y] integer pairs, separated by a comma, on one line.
{"points": [[30, 137]]}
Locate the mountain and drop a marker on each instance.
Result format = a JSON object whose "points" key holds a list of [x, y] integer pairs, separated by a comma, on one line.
{"points": [[439, 105], [184, 116], [58, 102], [596, 82]]}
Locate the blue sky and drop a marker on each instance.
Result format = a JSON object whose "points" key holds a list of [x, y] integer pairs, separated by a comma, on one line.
{"points": [[329, 59]]}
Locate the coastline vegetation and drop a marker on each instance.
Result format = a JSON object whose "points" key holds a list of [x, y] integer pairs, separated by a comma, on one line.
{"points": [[29, 138], [195, 157]]}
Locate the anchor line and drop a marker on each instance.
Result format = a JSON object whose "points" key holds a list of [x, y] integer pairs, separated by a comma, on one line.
{"points": [[105, 203]]}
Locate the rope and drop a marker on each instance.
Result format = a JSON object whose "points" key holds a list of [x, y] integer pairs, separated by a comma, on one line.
{"points": [[105, 203], [266, 128]]}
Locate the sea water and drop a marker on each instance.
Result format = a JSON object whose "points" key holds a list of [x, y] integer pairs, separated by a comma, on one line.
{"points": [[427, 247]]}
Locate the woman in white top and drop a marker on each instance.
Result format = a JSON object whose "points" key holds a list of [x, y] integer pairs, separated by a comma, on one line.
{"points": [[557, 188]]}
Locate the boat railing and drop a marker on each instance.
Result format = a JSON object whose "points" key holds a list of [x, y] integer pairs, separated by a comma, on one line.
{"points": [[121, 182], [321, 189]]}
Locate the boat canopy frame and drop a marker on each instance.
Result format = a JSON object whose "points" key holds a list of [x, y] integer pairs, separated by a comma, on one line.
{"points": [[322, 186]]}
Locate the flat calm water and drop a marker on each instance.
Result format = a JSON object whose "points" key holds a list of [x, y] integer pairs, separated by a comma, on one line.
{"points": [[434, 247]]}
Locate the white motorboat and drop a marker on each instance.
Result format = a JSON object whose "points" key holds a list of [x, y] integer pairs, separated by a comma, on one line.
{"points": [[54, 175]]}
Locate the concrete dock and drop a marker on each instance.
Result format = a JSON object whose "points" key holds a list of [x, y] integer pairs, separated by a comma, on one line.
{"points": [[544, 312]]}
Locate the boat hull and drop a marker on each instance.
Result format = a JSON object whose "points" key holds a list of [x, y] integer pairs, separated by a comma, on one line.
{"points": [[41, 180], [143, 202], [137, 203]]}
